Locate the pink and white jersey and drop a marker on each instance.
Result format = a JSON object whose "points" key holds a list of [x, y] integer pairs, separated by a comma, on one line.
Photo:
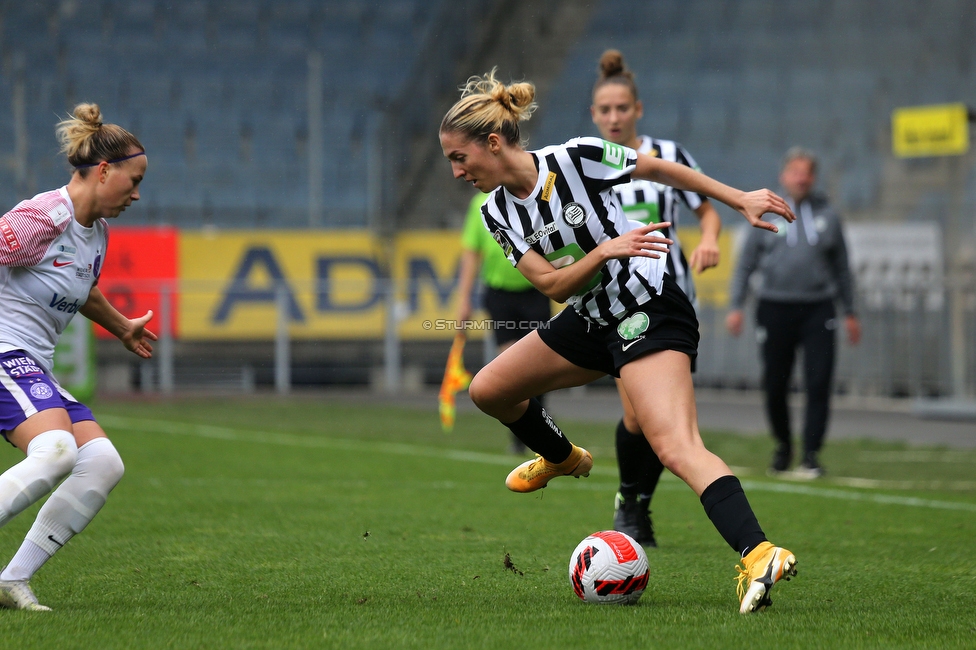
{"points": [[48, 265]]}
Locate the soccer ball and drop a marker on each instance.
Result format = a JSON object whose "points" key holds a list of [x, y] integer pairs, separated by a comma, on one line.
{"points": [[608, 567]]}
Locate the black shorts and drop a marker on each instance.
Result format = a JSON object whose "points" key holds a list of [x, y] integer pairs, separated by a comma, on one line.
{"points": [[666, 322], [515, 313]]}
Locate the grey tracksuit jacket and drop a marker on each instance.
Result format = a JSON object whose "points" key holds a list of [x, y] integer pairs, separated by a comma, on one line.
{"points": [[806, 261]]}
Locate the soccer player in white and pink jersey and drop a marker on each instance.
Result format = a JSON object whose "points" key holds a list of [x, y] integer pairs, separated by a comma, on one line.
{"points": [[52, 248]]}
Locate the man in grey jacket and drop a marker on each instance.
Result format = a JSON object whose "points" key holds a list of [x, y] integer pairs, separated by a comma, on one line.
{"points": [[803, 269]]}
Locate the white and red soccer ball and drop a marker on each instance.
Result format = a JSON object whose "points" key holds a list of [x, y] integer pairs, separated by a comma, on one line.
{"points": [[608, 567]]}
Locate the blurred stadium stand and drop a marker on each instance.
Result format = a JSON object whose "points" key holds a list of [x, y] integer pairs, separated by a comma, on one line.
{"points": [[218, 91], [739, 81]]}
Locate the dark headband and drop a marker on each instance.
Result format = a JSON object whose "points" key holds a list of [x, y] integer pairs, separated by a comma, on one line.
{"points": [[117, 160]]}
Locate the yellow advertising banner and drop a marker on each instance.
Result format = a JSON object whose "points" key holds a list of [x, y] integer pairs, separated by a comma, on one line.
{"points": [[711, 285], [426, 265], [936, 130], [334, 284]]}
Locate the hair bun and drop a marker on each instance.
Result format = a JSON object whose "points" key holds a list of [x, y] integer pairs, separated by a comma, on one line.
{"points": [[612, 64], [90, 114]]}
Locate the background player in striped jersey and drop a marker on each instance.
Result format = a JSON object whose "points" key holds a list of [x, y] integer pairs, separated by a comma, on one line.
{"points": [[51, 252], [616, 110], [556, 216]]}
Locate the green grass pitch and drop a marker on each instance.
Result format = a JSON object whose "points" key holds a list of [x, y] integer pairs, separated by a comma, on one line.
{"points": [[307, 523]]}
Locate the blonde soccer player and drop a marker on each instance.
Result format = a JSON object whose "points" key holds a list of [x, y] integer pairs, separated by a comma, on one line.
{"points": [[556, 216], [52, 249]]}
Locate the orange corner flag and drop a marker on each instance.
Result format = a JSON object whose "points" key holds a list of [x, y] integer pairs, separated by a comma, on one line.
{"points": [[456, 378]]}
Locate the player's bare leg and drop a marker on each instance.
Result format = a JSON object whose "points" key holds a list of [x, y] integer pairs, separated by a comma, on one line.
{"points": [[668, 416], [505, 388]]}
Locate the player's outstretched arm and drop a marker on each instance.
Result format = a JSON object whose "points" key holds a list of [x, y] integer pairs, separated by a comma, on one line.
{"points": [[131, 331], [752, 205]]}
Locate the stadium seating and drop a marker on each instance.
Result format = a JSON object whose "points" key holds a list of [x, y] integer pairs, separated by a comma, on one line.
{"points": [[217, 92], [217, 89], [739, 81]]}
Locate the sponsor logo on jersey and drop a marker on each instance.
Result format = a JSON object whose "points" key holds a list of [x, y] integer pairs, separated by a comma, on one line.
{"points": [[21, 367], [58, 263], [84, 274], [60, 303], [539, 234], [502, 240], [9, 235], [547, 188], [633, 326], [60, 214], [613, 155], [574, 214], [629, 344], [41, 391], [67, 251]]}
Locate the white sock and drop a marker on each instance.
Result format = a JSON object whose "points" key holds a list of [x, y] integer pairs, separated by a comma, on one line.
{"points": [[29, 555], [70, 508], [50, 456]]}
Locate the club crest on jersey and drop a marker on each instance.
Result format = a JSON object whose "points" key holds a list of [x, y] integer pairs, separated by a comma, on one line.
{"points": [[574, 214], [41, 391], [502, 241], [633, 326]]}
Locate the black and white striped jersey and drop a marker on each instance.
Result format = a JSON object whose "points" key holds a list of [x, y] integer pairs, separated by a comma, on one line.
{"points": [[571, 210], [650, 202]]}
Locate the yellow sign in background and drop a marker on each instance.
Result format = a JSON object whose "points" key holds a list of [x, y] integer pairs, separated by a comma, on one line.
{"points": [[936, 130], [335, 283], [711, 285], [332, 281]]}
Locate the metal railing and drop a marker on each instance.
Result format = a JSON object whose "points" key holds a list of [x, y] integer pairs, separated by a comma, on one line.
{"points": [[915, 343]]}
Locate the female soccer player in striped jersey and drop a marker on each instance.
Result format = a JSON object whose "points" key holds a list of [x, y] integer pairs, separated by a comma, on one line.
{"points": [[616, 110], [52, 248], [555, 214]]}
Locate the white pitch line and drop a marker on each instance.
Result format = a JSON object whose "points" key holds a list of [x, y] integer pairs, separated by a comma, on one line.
{"points": [[917, 456], [402, 449], [847, 495]]}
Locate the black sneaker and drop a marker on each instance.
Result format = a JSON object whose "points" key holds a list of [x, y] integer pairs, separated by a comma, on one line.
{"points": [[781, 460], [632, 516], [810, 468]]}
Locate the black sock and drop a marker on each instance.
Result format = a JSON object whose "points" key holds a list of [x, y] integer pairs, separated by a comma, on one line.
{"points": [[726, 505], [653, 468], [632, 452], [540, 434]]}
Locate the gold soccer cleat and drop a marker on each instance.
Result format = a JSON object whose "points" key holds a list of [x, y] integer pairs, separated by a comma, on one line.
{"points": [[765, 565], [535, 474]]}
